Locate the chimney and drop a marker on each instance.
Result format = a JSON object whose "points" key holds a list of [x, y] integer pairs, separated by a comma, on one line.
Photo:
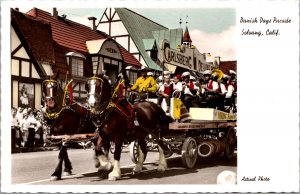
{"points": [[55, 13], [93, 22]]}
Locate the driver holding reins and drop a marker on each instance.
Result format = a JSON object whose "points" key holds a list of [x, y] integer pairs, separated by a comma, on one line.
{"points": [[144, 83]]}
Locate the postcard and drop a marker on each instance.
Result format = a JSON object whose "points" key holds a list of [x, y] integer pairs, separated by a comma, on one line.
{"points": [[149, 96]]}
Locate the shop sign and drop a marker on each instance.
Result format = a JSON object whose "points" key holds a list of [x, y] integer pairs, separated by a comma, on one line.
{"points": [[177, 58]]}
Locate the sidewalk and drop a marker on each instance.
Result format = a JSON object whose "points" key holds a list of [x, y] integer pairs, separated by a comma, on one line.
{"points": [[35, 149]]}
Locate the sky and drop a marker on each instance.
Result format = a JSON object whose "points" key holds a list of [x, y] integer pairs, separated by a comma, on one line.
{"points": [[212, 30]]}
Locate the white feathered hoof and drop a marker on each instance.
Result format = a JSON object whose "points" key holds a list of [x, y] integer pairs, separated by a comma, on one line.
{"points": [[107, 167], [113, 176], [137, 169], [161, 168], [54, 178], [66, 174]]}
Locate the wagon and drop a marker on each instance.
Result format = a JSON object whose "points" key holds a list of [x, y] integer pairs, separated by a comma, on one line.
{"points": [[209, 133]]}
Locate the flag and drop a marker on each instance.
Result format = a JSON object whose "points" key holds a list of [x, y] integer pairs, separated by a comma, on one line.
{"points": [[176, 108]]}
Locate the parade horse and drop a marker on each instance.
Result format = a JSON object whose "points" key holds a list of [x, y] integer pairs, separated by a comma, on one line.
{"points": [[119, 121], [64, 117]]}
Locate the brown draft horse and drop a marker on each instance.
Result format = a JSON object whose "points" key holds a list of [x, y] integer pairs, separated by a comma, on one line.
{"points": [[118, 121], [64, 118]]}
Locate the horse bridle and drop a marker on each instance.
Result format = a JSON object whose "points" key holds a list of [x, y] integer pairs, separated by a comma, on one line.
{"points": [[94, 92]]}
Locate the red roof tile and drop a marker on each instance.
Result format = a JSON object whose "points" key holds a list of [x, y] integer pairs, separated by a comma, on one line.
{"points": [[37, 35], [72, 35]]}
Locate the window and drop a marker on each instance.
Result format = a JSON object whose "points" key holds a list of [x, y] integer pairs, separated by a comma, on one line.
{"points": [[75, 61], [95, 61], [132, 77], [195, 63], [77, 66]]}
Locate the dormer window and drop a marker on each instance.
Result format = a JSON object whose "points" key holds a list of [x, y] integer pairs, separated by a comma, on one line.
{"points": [[75, 62]]}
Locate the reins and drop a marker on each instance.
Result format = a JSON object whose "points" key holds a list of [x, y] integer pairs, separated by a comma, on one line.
{"points": [[56, 114]]}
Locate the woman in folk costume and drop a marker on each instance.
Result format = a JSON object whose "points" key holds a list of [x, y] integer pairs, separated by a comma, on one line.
{"points": [[189, 89], [165, 91]]}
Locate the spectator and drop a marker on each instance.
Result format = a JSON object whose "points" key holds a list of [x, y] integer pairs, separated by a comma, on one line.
{"points": [[24, 127], [14, 126], [39, 131], [32, 124]]}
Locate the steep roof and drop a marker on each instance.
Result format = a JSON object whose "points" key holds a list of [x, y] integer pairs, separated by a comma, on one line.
{"points": [[37, 35], [140, 28], [72, 35], [186, 36]]}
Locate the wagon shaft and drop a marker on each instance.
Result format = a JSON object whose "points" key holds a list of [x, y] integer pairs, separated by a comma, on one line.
{"points": [[72, 137]]}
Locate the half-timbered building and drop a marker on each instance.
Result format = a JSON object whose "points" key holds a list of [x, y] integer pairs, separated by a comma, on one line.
{"points": [[45, 44]]}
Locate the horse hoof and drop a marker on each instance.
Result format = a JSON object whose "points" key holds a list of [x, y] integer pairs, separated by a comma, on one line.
{"points": [[161, 169], [105, 168], [54, 178], [113, 178], [66, 173]]}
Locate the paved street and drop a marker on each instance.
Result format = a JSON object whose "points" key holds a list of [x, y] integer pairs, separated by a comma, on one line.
{"points": [[36, 167]]}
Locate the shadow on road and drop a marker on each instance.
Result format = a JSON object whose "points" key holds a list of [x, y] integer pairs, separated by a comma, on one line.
{"points": [[175, 167]]}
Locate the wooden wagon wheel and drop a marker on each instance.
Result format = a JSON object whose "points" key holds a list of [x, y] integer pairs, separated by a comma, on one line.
{"points": [[230, 142], [168, 153], [134, 153], [189, 152]]}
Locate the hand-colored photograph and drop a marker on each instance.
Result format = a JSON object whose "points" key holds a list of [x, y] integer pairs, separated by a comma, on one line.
{"points": [[108, 97]]}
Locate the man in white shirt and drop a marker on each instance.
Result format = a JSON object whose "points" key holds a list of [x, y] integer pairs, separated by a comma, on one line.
{"points": [[24, 128], [32, 124]]}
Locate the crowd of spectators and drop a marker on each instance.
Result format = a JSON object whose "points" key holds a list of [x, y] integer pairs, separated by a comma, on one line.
{"points": [[28, 129]]}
